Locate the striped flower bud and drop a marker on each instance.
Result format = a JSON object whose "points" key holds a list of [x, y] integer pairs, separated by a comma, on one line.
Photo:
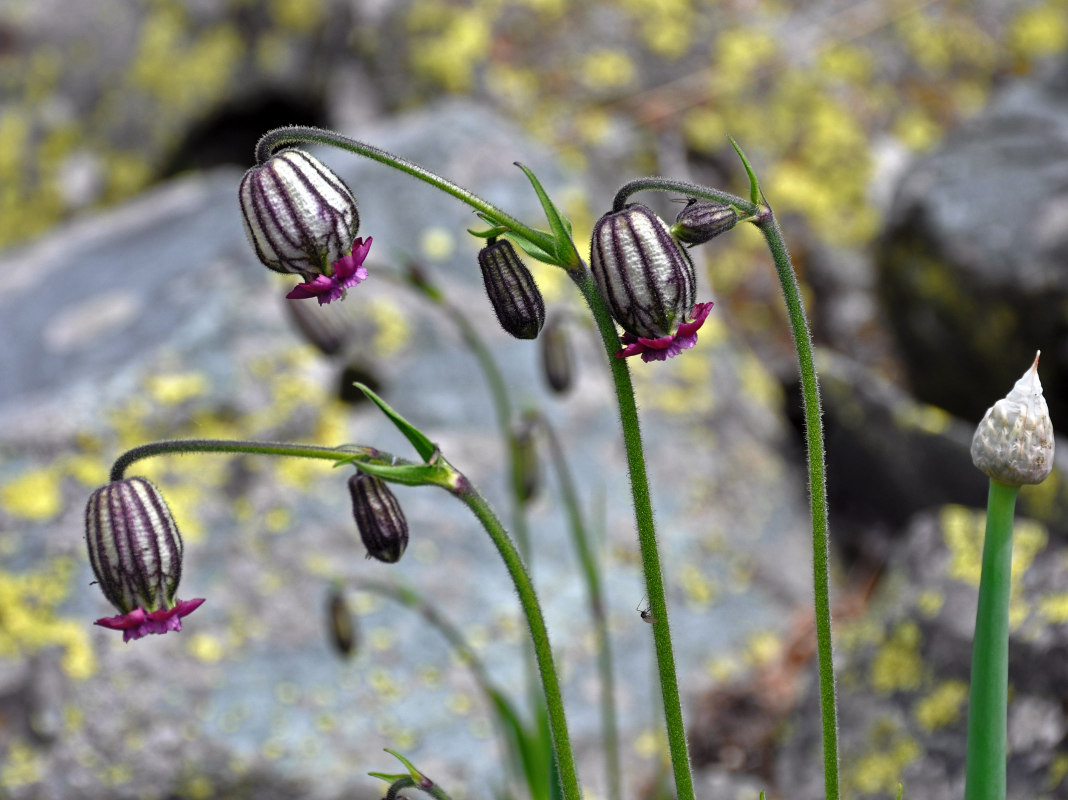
{"points": [[379, 518], [299, 216], [511, 289], [645, 277], [1014, 442], [556, 360], [701, 221], [526, 464], [340, 624], [136, 554]]}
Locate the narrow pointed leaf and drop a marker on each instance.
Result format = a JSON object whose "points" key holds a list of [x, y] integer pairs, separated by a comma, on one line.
{"points": [[496, 230], [560, 226], [423, 446], [755, 195]]}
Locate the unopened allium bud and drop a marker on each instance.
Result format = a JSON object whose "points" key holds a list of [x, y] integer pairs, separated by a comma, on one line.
{"points": [[301, 218], [556, 359], [511, 289], [341, 625], [645, 277], [379, 518], [1014, 442], [136, 554], [701, 221]]}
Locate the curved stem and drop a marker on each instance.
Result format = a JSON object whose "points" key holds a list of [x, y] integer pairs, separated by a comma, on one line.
{"points": [[817, 486], [988, 695], [554, 700], [747, 208], [297, 134], [643, 512], [408, 782], [179, 446]]}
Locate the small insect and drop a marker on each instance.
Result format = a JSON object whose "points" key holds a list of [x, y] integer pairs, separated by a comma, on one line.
{"points": [[646, 614]]}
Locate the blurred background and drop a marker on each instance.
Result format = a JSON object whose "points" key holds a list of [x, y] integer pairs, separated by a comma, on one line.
{"points": [[916, 154]]}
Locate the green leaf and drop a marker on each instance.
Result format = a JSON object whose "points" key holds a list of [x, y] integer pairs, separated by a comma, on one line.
{"points": [[496, 230], [560, 225], [407, 474], [755, 195], [423, 446], [387, 777], [534, 251]]}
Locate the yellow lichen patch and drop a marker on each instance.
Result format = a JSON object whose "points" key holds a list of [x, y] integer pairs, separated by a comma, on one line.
{"points": [[757, 383], [649, 743], [392, 329], [449, 54], [175, 388], [942, 706], [384, 685], [437, 243], [1039, 31], [205, 647], [300, 16], [917, 416], [23, 766], [606, 69], [698, 589], [880, 772], [929, 602], [460, 703], [1054, 608], [762, 648], [916, 129], [30, 623], [897, 665], [1058, 770], [963, 531], [34, 495]]}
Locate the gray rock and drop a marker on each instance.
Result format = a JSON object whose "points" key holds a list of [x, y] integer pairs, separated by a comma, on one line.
{"points": [[971, 269]]}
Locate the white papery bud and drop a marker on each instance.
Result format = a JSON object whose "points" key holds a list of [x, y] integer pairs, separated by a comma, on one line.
{"points": [[1014, 442]]}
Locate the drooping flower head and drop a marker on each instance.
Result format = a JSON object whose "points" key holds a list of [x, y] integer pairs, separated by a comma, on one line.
{"points": [[701, 222], [136, 554], [379, 518], [512, 292], [648, 282], [301, 218]]}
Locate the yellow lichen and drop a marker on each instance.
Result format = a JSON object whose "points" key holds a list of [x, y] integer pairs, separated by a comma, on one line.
{"points": [[24, 766], [880, 772], [942, 706], [34, 495], [1039, 31], [898, 665], [205, 647], [175, 388], [1054, 608], [606, 69]]}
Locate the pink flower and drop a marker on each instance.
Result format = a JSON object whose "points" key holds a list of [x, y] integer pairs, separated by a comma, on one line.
{"points": [[347, 272], [669, 346], [139, 622]]}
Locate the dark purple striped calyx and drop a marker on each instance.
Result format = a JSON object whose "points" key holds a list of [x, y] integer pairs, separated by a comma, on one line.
{"points": [[512, 292], [134, 545], [700, 222], [298, 215], [645, 277], [379, 518]]}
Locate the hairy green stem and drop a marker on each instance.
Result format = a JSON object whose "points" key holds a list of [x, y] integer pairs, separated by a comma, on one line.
{"points": [[592, 575], [817, 486], [643, 512], [528, 599], [683, 187], [988, 695], [275, 139], [180, 446]]}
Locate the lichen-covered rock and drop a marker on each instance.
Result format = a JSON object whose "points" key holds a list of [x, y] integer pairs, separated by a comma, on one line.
{"points": [[904, 664]]}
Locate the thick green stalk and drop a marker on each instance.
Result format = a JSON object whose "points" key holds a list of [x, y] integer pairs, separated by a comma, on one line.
{"points": [[592, 575], [528, 599], [817, 486], [985, 770], [643, 512]]}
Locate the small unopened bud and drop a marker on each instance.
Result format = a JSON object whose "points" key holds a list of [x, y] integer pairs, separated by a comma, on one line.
{"points": [[341, 625], [299, 216], [701, 221], [379, 518], [556, 360], [136, 554], [527, 466], [1014, 442], [511, 289], [645, 277]]}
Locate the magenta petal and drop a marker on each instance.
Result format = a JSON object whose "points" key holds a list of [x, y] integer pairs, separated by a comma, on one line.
{"points": [[665, 347], [138, 622]]}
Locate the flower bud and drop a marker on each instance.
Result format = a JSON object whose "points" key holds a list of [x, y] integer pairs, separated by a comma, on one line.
{"points": [[379, 517], [1014, 442], [645, 277], [527, 467], [511, 289], [299, 216], [136, 554], [341, 625], [556, 360], [701, 221]]}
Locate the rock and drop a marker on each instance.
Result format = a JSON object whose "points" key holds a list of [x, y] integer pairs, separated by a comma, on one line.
{"points": [[904, 665], [971, 267]]}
